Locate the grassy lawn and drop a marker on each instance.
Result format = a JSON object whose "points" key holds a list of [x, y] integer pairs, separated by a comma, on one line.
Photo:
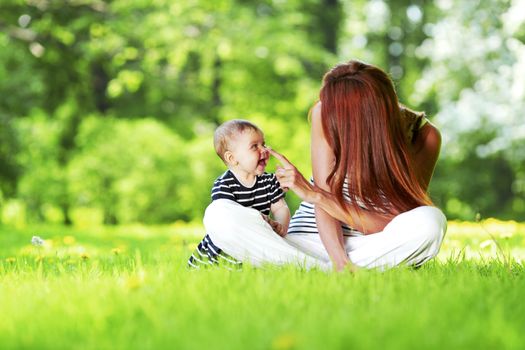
{"points": [[128, 287]]}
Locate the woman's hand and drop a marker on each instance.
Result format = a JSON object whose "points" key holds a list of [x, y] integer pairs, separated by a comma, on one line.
{"points": [[290, 178]]}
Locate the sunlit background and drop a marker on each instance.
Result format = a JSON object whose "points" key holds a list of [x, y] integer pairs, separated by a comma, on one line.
{"points": [[107, 108]]}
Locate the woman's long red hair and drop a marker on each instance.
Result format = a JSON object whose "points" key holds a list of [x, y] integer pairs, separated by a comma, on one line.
{"points": [[362, 124]]}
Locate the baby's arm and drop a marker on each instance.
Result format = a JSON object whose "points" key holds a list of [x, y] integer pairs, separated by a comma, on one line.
{"points": [[281, 215]]}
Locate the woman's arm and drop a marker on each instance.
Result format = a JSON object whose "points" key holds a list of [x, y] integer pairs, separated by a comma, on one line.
{"points": [[329, 228], [281, 215]]}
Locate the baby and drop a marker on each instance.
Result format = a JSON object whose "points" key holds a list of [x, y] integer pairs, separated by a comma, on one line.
{"points": [[240, 145]]}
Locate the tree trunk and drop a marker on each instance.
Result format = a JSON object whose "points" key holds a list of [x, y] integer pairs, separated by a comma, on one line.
{"points": [[65, 212], [99, 82], [215, 89], [65, 147], [330, 18]]}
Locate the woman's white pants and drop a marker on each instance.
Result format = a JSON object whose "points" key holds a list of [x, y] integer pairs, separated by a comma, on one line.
{"points": [[411, 238]]}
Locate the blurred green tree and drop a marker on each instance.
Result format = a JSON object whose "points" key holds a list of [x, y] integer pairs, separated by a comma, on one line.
{"points": [[476, 80], [132, 170], [82, 81]]}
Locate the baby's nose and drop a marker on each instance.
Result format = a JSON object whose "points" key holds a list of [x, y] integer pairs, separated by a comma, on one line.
{"points": [[263, 150]]}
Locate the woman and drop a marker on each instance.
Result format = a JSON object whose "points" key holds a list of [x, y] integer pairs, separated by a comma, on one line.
{"points": [[372, 162]]}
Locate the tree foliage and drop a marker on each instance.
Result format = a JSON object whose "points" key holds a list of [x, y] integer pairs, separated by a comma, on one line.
{"points": [[111, 105]]}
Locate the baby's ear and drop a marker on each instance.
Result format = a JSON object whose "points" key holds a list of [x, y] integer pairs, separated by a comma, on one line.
{"points": [[229, 158]]}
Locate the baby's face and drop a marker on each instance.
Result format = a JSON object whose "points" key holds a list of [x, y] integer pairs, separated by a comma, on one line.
{"points": [[250, 152]]}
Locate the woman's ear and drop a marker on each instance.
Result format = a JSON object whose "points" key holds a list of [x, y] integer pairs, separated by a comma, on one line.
{"points": [[230, 158]]}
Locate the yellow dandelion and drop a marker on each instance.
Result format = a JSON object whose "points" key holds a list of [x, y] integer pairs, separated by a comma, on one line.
{"points": [[116, 251], [284, 341], [10, 260], [69, 240], [84, 256], [134, 282]]}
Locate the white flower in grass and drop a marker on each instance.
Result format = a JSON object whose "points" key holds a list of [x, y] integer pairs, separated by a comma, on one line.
{"points": [[487, 243], [37, 241]]}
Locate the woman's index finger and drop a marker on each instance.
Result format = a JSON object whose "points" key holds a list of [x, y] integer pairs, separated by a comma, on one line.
{"points": [[282, 159]]}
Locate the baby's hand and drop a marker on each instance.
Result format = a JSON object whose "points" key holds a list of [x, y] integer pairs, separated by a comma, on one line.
{"points": [[276, 226]]}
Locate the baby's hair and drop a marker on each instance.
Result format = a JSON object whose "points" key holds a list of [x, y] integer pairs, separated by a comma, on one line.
{"points": [[227, 131]]}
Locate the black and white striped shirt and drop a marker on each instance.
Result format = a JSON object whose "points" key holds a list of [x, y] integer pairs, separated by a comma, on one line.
{"points": [[260, 196]]}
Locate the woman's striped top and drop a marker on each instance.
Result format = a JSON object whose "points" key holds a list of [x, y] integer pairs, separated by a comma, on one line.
{"points": [[303, 221]]}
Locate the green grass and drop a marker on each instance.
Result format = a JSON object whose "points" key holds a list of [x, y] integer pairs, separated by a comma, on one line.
{"points": [[128, 288]]}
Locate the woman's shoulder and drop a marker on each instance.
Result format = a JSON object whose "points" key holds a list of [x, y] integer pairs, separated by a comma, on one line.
{"points": [[429, 138], [315, 112], [316, 121]]}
